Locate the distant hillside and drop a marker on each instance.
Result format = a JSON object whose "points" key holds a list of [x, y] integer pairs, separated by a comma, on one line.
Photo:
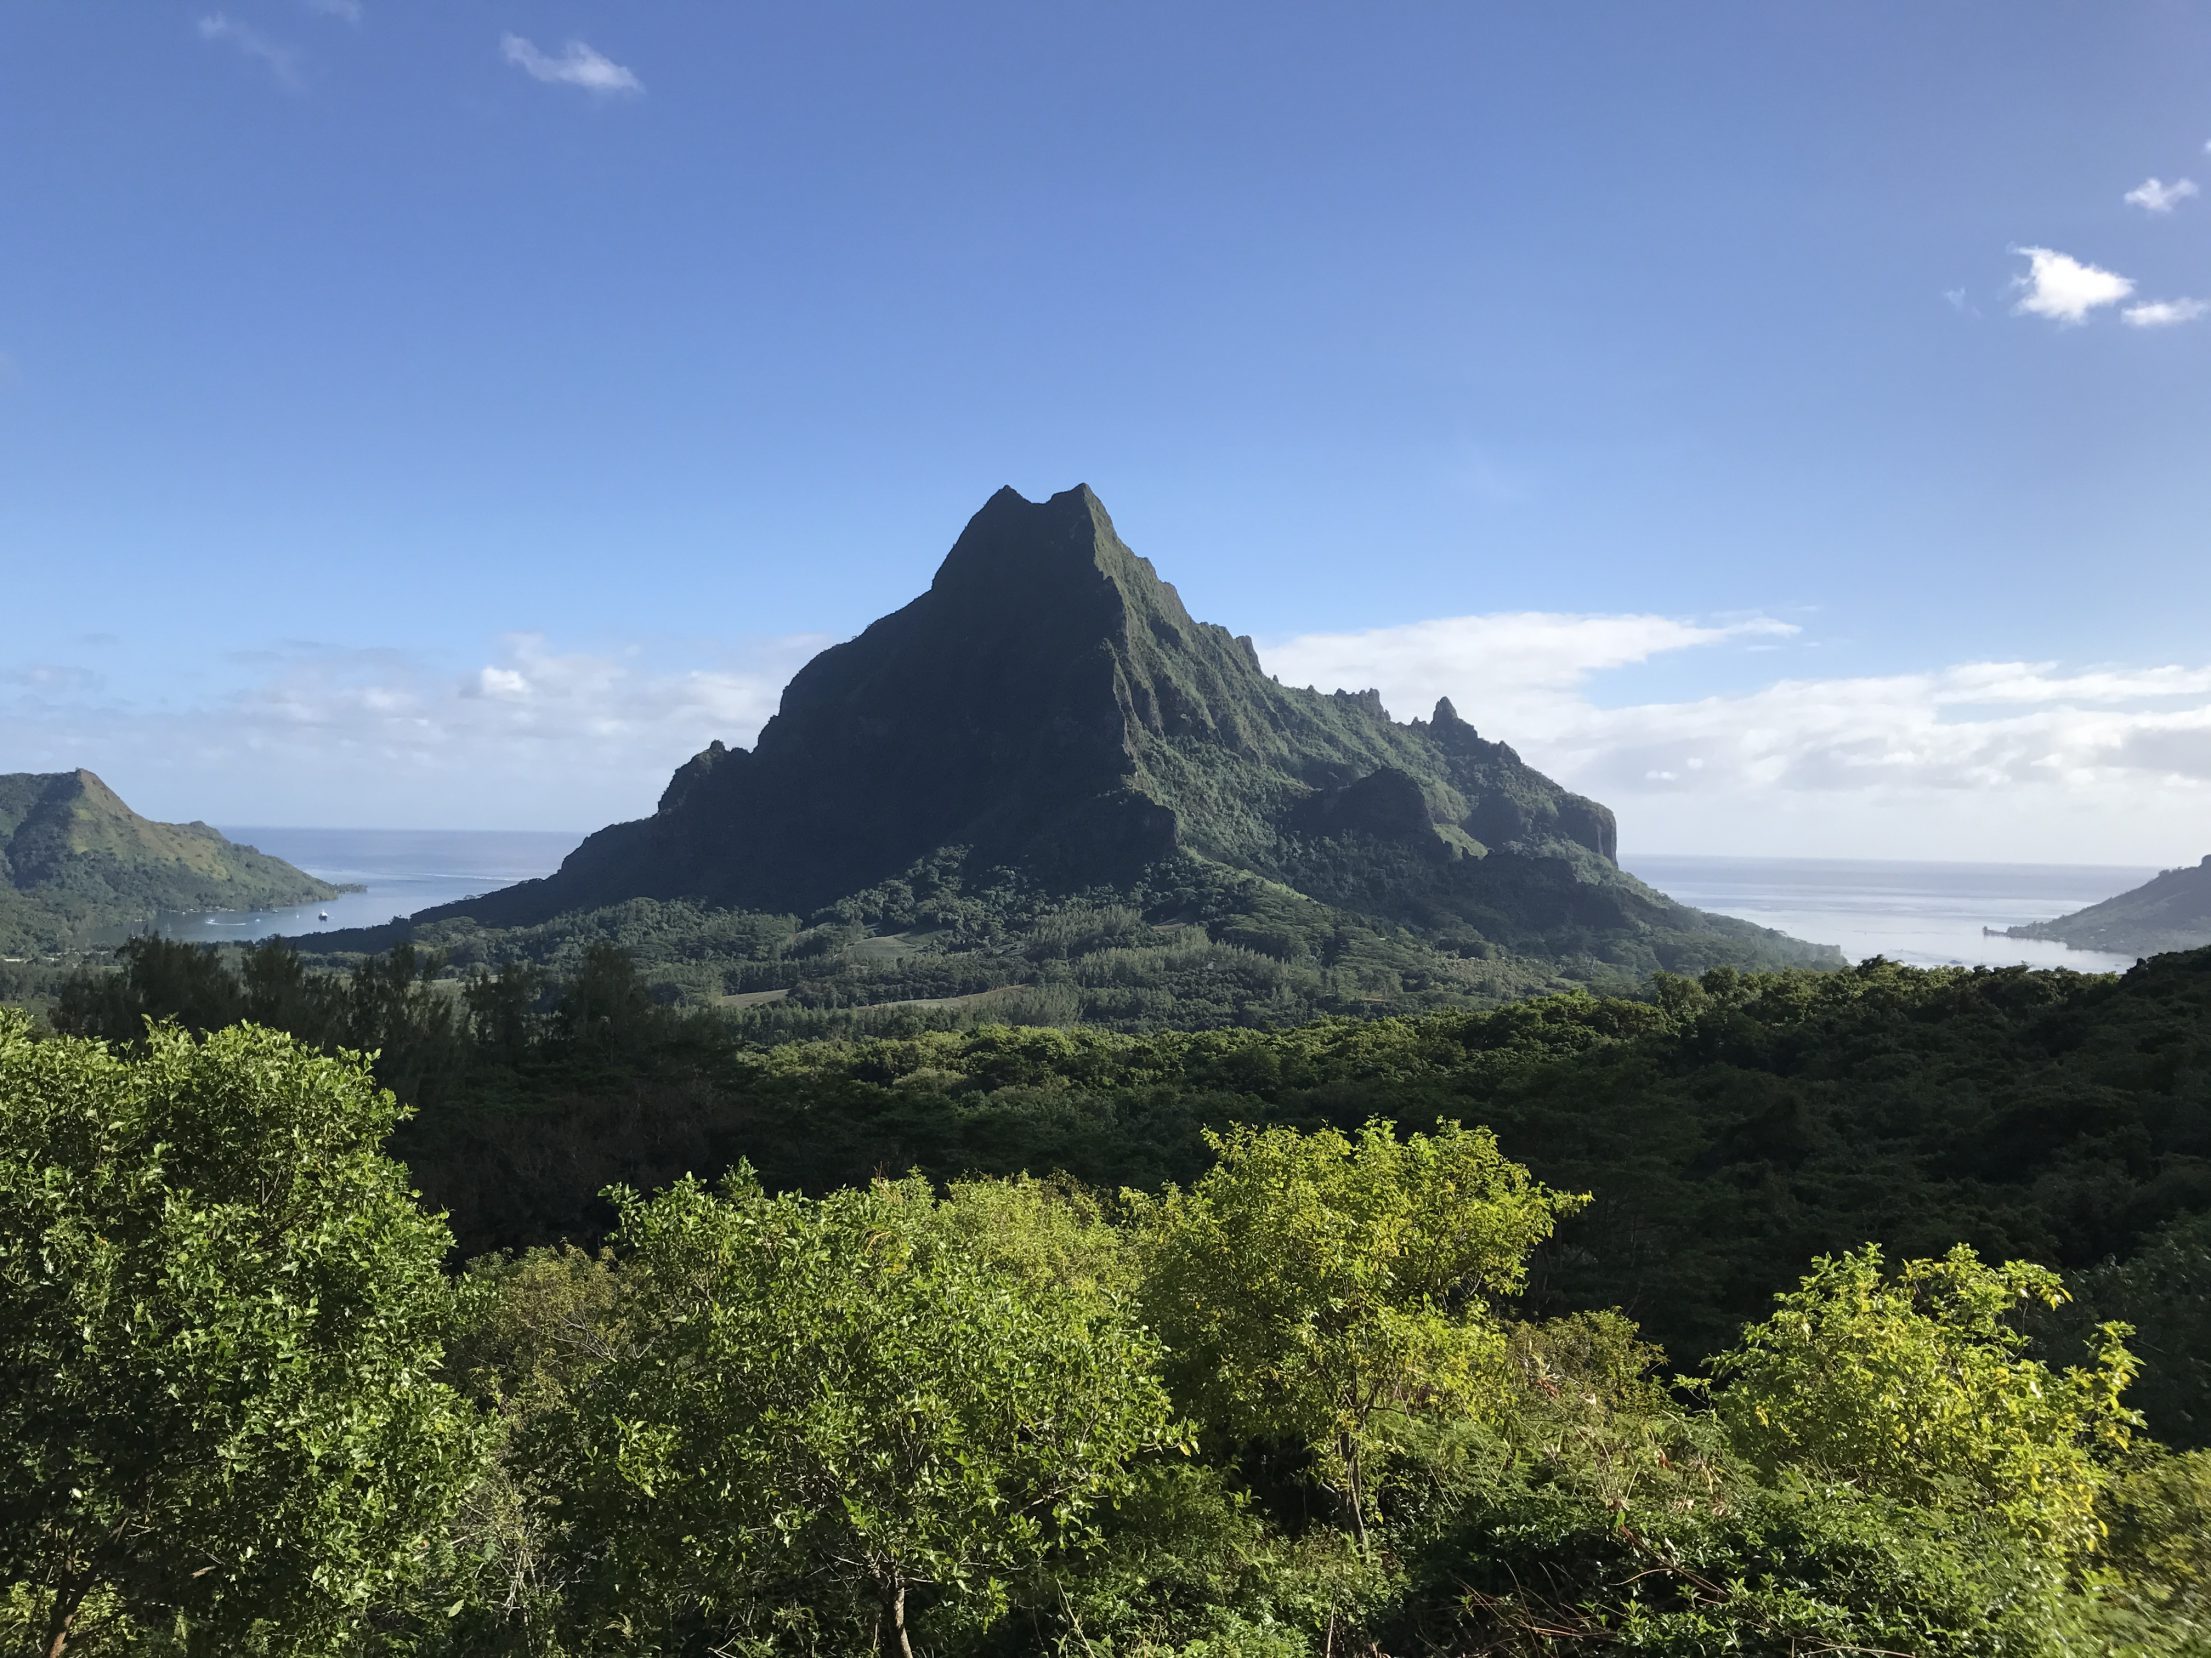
{"points": [[74, 859], [1045, 763], [2172, 912]]}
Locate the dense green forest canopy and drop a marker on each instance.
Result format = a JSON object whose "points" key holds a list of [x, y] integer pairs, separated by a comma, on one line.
{"points": [[1731, 1126], [1296, 1404]]}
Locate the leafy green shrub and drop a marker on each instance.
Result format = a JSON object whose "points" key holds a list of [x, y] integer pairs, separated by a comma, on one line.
{"points": [[835, 1421], [1918, 1386], [221, 1315], [1312, 1287]]}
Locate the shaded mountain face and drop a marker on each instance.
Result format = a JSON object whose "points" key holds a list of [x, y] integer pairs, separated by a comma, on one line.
{"points": [[74, 858], [2170, 912], [1050, 705]]}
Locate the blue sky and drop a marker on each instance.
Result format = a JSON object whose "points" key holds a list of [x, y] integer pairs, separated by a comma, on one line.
{"points": [[1776, 420]]}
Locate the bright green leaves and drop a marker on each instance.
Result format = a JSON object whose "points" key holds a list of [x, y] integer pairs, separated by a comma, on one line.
{"points": [[221, 1313], [2152, 1591], [840, 1414], [953, 1421], [1918, 1386], [1312, 1287]]}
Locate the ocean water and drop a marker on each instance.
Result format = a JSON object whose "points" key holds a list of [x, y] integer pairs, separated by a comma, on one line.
{"points": [[400, 870], [1925, 914], [1921, 914]]}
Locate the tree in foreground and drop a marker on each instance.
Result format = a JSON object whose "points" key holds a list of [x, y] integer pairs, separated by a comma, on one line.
{"points": [[220, 1317], [2151, 1591], [835, 1421], [1317, 1289], [1918, 1386]]}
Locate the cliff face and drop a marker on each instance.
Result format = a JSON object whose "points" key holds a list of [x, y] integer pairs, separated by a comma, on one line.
{"points": [[1050, 705], [2170, 912]]}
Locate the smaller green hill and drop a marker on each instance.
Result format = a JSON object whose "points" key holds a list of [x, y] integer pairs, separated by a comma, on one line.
{"points": [[74, 860], [2171, 912]]}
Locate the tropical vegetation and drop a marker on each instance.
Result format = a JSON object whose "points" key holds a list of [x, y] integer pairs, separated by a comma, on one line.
{"points": [[995, 1415]]}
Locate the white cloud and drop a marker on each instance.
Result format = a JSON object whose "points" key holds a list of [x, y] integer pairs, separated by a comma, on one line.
{"points": [[2163, 313], [530, 735], [1911, 765], [51, 679], [2064, 289], [577, 65], [1517, 666], [1976, 760], [346, 11], [2154, 195], [281, 61]]}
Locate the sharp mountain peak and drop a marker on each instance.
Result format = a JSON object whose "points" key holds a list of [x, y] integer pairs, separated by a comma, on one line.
{"points": [[1062, 550]]}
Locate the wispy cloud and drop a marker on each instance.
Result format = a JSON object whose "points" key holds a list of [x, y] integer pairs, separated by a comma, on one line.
{"points": [[527, 733], [281, 61], [51, 679], [2163, 313], [1976, 759], [2063, 288], [578, 64], [346, 11], [1520, 662], [2154, 195], [1973, 726]]}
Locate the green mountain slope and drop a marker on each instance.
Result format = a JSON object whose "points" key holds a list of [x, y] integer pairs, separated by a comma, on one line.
{"points": [[2171, 912], [75, 859], [1047, 727]]}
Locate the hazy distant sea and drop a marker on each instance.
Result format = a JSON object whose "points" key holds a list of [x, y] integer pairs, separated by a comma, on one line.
{"points": [[1924, 914], [402, 870]]}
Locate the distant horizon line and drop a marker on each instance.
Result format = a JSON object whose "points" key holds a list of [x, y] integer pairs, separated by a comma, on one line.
{"points": [[236, 830], [386, 829]]}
